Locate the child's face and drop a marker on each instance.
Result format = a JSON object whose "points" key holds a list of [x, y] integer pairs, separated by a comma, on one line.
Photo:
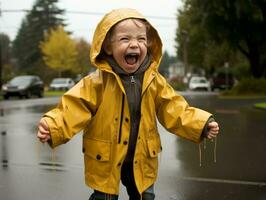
{"points": [[128, 44]]}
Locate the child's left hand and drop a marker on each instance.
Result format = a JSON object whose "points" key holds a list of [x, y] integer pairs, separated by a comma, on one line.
{"points": [[213, 130]]}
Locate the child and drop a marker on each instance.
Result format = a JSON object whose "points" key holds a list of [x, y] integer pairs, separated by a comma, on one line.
{"points": [[118, 105]]}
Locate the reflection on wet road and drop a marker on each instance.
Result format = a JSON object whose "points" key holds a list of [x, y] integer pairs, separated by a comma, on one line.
{"points": [[30, 169]]}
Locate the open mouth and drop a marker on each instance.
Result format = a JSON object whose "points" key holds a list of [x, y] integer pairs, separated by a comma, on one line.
{"points": [[131, 58]]}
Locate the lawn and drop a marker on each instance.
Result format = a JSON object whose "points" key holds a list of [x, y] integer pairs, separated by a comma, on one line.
{"points": [[53, 93], [260, 105]]}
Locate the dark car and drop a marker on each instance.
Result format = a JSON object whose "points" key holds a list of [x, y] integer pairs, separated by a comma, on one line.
{"points": [[222, 81], [23, 86]]}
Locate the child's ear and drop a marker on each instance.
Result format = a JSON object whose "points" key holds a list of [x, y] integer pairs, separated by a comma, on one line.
{"points": [[107, 47]]}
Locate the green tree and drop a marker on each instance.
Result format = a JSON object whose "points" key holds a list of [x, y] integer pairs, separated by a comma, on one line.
{"points": [[202, 51], [237, 25], [164, 65], [5, 58], [166, 61], [59, 50], [43, 16], [190, 38]]}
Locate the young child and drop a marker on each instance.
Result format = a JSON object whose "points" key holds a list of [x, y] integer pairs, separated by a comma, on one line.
{"points": [[117, 108]]}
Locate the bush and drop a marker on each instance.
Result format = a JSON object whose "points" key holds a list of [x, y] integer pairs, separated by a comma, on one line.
{"points": [[178, 85], [250, 86]]}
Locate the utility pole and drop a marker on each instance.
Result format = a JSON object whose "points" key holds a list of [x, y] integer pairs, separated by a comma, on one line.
{"points": [[185, 47], [226, 66]]}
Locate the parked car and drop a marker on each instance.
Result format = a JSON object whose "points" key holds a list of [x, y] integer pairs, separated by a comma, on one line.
{"points": [[61, 84], [23, 86], [199, 83], [222, 81]]}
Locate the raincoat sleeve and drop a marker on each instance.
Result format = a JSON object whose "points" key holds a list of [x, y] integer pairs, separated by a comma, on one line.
{"points": [[73, 113], [175, 114]]}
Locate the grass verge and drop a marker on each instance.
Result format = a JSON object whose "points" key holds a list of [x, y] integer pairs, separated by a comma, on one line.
{"points": [[260, 105], [53, 93]]}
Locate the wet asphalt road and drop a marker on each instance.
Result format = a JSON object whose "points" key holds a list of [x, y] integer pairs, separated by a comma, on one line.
{"points": [[30, 170]]}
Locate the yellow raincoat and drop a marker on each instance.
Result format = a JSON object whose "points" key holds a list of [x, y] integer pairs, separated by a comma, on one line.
{"points": [[97, 105]]}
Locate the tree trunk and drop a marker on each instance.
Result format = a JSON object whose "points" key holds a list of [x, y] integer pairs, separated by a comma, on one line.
{"points": [[254, 58], [255, 66]]}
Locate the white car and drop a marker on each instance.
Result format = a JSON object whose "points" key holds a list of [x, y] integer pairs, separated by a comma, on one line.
{"points": [[61, 84], [199, 83]]}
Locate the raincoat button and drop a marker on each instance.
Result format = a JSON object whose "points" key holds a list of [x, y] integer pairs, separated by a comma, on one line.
{"points": [[127, 119], [125, 142], [119, 164], [98, 157], [136, 162], [83, 150], [153, 152]]}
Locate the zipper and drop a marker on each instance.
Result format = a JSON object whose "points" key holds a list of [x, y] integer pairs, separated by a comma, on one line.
{"points": [[133, 84], [121, 119], [132, 80]]}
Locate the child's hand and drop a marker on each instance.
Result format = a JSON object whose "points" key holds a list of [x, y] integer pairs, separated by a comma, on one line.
{"points": [[213, 130], [43, 131]]}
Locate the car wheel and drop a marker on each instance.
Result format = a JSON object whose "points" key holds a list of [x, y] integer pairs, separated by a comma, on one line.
{"points": [[40, 95], [28, 95], [6, 97]]}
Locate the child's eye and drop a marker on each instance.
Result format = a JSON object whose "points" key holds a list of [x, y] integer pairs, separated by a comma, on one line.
{"points": [[124, 39], [142, 39]]}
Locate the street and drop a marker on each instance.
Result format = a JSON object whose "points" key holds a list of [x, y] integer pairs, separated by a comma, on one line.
{"points": [[231, 167]]}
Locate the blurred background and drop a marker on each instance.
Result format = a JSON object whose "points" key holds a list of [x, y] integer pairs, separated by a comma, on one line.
{"points": [[214, 53], [223, 42]]}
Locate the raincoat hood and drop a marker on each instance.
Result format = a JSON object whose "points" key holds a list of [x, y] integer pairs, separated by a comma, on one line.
{"points": [[108, 21]]}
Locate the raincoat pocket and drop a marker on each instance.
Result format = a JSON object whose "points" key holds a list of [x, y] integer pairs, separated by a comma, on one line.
{"points": [[97, 149], [151, 163], [154, 146], [97, 156]]}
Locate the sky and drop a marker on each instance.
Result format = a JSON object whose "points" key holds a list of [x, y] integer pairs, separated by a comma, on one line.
{"points": [[160, 13]]}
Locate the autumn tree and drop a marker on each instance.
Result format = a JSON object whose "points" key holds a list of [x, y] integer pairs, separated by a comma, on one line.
{"points": [[59, 50], [83, 63]]}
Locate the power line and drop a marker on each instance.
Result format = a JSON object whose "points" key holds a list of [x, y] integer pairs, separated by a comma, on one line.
{"points": [[84, 13], [14, 10]]}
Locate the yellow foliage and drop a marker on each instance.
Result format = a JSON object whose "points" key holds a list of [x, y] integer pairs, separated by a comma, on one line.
{"points": [[59, 50], [83, 60]]}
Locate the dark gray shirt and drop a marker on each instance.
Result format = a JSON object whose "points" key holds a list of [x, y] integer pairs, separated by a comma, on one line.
{"points": [[133, 88]]}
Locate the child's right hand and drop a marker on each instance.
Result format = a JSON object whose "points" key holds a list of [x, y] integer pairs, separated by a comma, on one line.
{"points": [[43, 131]]}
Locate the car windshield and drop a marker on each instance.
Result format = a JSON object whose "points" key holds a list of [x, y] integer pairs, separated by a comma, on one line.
{"points": [[59, 81], [21, 80]]}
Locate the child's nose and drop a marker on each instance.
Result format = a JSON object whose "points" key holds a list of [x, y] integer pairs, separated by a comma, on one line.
{"points": [[133, 43]]}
